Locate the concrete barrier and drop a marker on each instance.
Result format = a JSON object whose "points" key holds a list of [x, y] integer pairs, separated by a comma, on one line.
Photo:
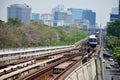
{"points": [[85, 72]]}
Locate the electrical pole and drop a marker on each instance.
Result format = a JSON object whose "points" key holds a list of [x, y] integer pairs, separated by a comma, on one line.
{"points": [[100, 36]]}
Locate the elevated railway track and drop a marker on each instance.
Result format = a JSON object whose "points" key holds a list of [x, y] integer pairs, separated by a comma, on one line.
{"points": [[45, 64]]}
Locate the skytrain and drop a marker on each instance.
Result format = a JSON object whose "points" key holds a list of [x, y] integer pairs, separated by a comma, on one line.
{"points": [[92, 41]]}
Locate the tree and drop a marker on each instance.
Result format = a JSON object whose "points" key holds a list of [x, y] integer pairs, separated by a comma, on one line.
{"points": [[14, 22], [113, 41], [114, 28], [2, 22], [117, 54]]}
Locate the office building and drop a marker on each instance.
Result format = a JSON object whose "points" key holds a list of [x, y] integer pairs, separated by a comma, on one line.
{"points": [[89, 15], [47, 19], [113, 17], [60, 16], [115, 10], [58, 8], [114, 14], [119, 9], [20, 11], [35, 16], [76, 13]]}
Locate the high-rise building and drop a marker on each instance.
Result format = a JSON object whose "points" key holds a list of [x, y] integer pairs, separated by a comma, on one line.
{"points": [[89, 15], [47, 19], [59, 8], [20, 11], [119, 9], [35, 16], [76, 13], [114, 14], [115, 10], [69, 18], [60, 16], [113, 17]]}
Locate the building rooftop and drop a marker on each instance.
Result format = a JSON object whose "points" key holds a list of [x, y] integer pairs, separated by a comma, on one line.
{"points": [[20, 5]]}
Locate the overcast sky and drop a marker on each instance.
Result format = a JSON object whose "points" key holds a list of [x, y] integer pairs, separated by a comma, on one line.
{"points": [[101, 7]]}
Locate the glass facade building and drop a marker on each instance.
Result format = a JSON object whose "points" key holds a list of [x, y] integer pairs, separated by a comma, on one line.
{"points": [[89, 15], [60, 16], [35, 16], [80, 14], [20, 11], [76, 13], [113, 17], [119, 10]]}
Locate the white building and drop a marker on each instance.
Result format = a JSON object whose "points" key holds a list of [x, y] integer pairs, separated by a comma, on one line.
{"points": [[114, 10], [47, 19]]}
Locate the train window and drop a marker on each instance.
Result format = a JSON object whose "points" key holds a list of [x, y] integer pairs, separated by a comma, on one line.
{"points": [[92, 40], [1, 56], [5, 55]]}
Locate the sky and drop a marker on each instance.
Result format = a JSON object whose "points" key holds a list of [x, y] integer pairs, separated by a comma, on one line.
{"points": [[102, 8]]}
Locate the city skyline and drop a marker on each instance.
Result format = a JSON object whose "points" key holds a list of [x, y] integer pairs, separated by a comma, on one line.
{"points": [[101, 7]]}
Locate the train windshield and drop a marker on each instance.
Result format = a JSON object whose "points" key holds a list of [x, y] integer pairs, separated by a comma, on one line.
{"points": [[92, 40]]}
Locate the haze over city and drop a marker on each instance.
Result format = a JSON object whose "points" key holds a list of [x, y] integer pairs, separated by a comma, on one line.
{"points": [[101, 7]]}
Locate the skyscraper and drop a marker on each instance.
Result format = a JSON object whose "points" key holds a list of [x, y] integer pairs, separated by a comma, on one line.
{"points": [[60, 16], [58, 8], [89, 15], [76, 13], [114, 14], [20, 11], [119, 9]]}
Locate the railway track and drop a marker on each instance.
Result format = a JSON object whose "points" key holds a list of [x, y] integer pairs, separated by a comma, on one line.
{"points": [[46, 70], [69, 69], [40, 58], [51, 66], [65, 73], [22, 59], [37, 75]]}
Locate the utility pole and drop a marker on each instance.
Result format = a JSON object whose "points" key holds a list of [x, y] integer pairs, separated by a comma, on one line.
{"points": [[100, 36]]}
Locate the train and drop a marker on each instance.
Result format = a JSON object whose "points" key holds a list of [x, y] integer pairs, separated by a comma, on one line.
{"points": [[92, 41], [97, 34]]}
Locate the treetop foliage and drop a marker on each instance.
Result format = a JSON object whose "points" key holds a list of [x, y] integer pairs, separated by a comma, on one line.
{"points": [[114, 28], [15, 34], [113, 39]]}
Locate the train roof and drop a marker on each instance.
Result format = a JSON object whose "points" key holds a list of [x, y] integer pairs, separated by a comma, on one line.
{"points": [[92, 36]]}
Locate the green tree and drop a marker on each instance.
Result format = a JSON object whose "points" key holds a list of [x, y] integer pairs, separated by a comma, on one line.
{"points": [[114, 28], [14, 22], [117, 54], [113, 39]]}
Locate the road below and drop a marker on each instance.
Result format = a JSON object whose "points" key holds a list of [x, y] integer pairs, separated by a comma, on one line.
{"points": [[109, 73]]}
